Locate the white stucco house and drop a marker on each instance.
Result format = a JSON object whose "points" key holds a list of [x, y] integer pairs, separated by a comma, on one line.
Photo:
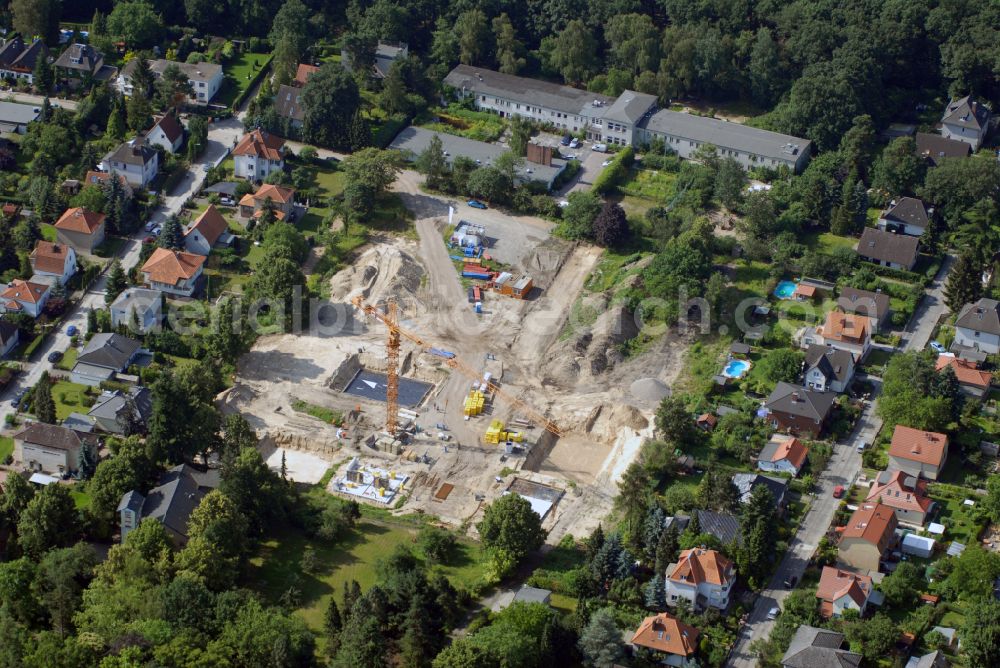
{"points": [[783, 454], [966, 120], [702, 577], [53, 260], [135, 160], [978, 326], [258, 154]]}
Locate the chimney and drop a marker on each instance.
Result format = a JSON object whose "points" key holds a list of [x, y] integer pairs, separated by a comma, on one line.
{"points": [[795, 397]]}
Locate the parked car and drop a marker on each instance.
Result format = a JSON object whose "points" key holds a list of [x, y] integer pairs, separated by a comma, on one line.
{"points": [[605, 163], [55, 356], [601, 148], [476, 204], [72, 330], [149, 226], [566, 140], [773, 613], [791, 582], [156, 231], [861, 446], [575, 143], [838, 491], [149, 239], [225, 200], [938, 348], [16, 400]]}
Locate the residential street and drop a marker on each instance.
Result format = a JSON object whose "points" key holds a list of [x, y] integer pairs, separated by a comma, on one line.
{"points": [[28, 98], [221, 135], [842, 469]]}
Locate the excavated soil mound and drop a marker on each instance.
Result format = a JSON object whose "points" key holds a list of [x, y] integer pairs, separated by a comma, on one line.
{"points": [[649, 390], [380, 272]]}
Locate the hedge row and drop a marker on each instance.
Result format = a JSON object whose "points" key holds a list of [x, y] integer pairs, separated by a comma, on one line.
{"points": [[615, 173]]}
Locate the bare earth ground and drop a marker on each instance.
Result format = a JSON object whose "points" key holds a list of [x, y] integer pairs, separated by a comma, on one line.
{"points": [[579, 380]]}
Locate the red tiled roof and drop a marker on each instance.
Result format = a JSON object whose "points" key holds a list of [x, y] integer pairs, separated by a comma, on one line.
{"points": [[790, 448], [278, 194], [303, 72], [171, 267], [49, 257], [926, 447], [666, 633], [965, 371], [896, 494], [847, 327], [24, 291], [80, 220], [872, 523], [260, 144], [698, 565], [835, 583], [100, 178], [805, 290], [210, 224]]}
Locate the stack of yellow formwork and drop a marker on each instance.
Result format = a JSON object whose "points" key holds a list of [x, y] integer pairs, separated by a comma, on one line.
{"points": [[492, 434], [474, 403]]}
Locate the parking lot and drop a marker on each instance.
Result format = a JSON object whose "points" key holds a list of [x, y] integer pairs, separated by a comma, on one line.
{"points": [[591, 162]]}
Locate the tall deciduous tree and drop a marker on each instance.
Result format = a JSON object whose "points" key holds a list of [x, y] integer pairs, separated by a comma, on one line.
{"points": [[573, 52], [433, 163], [981, 633], [511, 526], [50, 520], [611, 226], [330, 99], [472, 29], [510, 50], [36, 17], [136, 22]]}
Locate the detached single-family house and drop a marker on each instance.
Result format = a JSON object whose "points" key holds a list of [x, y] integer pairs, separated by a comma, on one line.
{"points": [[124, 413], [703, 577], [904, 493], [972, 380], [966, 120], [258, 154], [51, 448], [81, 229], [171, 503], [813, 647], [79, 61], [935, 659], [101, 178], [935, 148], [841, 590], [167, 133], [104, 357], [828, 369], [896, 251], [288, 104], [282, 201], [783, 454], [138, 305], [18, 58], [386, 53], [10, 336], [906, 215], [918, 452], [174, 272], [978, 326], [723, 526], [846, 331], [204, 78], [207, 231], [746, 483], [673, 641], [24, 297], [799, 410], [868, 535], [302, 74], [875, 305], [53, 260], [135, 159]]}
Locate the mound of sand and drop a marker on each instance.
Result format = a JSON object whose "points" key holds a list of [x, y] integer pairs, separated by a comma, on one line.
{"points": [[381, 272], [594, 348], [649, 390]]}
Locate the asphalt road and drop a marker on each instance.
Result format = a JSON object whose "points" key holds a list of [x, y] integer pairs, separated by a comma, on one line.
{"points": [[28, 98], [842, 469]]}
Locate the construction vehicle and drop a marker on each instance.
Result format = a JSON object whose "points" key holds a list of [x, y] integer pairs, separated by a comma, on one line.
{"points": [[389, 318]]}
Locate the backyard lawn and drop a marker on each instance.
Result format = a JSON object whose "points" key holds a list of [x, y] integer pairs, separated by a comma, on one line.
{"points": [[70, 398], [68, 359], [652, 184], [6, 447], [48, 231], [239, 71], [276, 567], [826, 242]]}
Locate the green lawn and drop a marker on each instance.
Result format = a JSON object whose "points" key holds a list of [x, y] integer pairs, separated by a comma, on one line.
{"points": [[68, 359], [48, 231], [276, 567], [6, 447], [877, 358], [753, 277], [652, 184], [70, 398], [806, 312], [239, 71], [958, 518], [826, 242], [326, 183]]}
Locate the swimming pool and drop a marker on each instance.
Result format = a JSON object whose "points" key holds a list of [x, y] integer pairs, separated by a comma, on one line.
{"points": [[785, 289], [736, 368]]}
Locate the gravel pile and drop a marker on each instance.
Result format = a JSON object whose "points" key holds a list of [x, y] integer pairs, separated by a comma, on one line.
{"points": [[649, 389]]}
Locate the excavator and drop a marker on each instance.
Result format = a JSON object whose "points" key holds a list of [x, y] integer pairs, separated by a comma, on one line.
{"points": [[390, 318]]}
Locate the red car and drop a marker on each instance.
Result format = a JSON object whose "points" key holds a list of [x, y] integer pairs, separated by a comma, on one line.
{"points": [[838, 491], [149, 240]]}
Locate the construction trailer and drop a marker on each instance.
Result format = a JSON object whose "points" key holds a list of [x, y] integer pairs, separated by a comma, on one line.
{"points": [[469, 235], [507, 284]]}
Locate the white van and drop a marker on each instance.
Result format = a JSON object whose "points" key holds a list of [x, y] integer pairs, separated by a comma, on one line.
{"points": [[600, 148]]}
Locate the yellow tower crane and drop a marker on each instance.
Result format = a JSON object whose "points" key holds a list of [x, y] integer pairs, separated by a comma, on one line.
{"points": [[389, 318]]}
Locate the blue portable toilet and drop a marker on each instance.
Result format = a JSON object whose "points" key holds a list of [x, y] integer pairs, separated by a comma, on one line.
{"points": [[479, 307]]}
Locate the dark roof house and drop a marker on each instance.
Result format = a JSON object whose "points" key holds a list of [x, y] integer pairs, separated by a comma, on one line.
{"points": [[288, 103], [812, 647], [746, 483], [981, 316], [797, 409], [171, 503], [935, 148], [908, 211], [835, 364], [875, 305], [81, 58], [18, 56], [110, 411], [886, 248]]}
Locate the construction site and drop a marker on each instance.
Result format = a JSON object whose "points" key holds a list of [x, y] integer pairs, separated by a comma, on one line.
{"points": [[451, 404]]}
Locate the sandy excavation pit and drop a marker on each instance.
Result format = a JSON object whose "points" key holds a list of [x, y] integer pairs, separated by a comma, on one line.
{"points": [[579, 381]]}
